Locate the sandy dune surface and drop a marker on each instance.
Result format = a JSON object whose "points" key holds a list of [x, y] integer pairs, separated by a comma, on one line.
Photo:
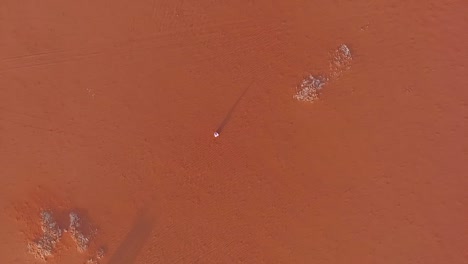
{"points": [[108, 109]]}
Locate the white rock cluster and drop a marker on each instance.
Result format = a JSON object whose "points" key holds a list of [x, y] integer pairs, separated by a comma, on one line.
{"points": [[341, 61], [309, 89], [44, 246], [99, 255], [82, 241]]}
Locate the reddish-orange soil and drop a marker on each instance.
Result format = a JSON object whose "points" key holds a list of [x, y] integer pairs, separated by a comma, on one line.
{"points": [[109, 108]]}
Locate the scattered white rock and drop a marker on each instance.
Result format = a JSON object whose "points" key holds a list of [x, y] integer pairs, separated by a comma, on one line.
{"points": [[100, 253], [49, 226], [341, 61], [45, 245], [82, 241], [345, 51], [41, 248], [92, 261], [309, 89], [74, 220]]}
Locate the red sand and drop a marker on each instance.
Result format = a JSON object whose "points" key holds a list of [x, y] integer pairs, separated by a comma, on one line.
{"points": [[110, 107]]}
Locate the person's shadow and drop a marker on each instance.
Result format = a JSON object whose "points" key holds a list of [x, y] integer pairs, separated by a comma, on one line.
{"points": [[134, 241], [229, 114]]}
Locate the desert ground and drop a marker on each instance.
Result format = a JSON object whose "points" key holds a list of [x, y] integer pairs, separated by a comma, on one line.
{"points": [[108, 109]]}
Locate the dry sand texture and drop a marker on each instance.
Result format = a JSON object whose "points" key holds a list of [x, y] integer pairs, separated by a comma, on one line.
{"points": [[109, 107]]}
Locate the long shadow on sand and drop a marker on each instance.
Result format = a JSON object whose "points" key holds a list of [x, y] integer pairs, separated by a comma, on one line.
{"points": [[131, 246], [229, 114]]}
